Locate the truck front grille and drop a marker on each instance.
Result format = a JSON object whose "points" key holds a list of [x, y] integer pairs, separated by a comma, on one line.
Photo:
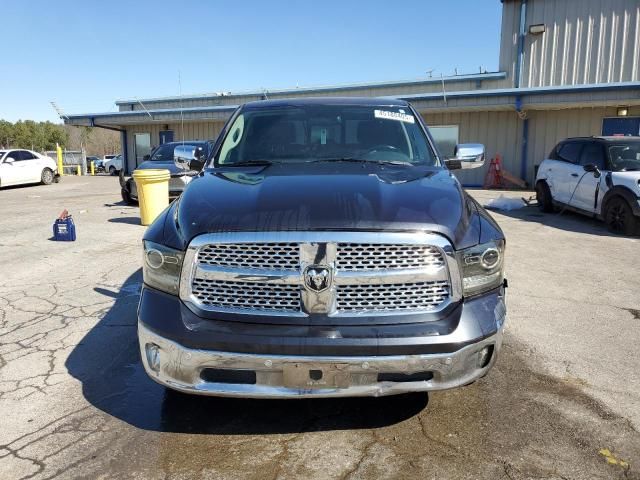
{"points": [[371, 256], [282, 256], [247, 295], [363, 273], [388, 298]]}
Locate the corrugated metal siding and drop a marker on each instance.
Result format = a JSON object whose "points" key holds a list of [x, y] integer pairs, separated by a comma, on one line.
{"points": [[509, 40], [582, 99], [499, 132], [586, 41], [475, 103]]}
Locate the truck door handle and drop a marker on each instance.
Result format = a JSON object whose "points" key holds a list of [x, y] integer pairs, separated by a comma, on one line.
{"points": [[575, 175]]}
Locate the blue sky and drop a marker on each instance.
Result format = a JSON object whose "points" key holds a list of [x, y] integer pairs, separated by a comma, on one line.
{"points": [[86, 54]]}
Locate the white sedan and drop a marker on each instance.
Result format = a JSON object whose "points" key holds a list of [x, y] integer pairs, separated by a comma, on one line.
{"points": [[24, 166], [112, 164]]}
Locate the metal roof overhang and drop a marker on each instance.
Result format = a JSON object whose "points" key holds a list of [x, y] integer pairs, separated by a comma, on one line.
{"points": [[533, 98], [323, 89], [192, 114]]}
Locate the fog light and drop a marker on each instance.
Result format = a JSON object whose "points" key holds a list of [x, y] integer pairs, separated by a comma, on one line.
{"points": [[153, 356], [484, 357]]}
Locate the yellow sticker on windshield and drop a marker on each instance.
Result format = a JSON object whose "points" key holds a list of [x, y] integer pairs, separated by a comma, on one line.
{"points": [[387, 115]]}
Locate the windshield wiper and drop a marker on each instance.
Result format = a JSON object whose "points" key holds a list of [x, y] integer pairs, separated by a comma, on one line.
{"points": [[363, 160], [248, 163]]}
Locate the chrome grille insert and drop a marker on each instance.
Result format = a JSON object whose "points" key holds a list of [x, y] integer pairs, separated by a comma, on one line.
{"points": [[372, 273], [384, 298], [247, 295], [371, 256], [277, 256]]}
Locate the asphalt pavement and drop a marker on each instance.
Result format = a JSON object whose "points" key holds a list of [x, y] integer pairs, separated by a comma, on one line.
{"points": [[563, 401]]}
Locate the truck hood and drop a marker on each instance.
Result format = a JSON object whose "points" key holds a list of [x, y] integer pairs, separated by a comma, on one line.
{"points": [[329, 196], [168, 165]]}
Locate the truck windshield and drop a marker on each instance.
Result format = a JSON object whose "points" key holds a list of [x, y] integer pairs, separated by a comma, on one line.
{"points": [[326, 133], [625, 157]]}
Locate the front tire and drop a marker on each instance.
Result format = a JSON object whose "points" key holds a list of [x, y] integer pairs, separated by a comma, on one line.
{"points": [[47, 176], [619, 217], [543, 195], [112, 171], [126, 197]]}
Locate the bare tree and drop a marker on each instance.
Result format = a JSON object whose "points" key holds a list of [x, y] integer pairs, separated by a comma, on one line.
{"points": [[96, 141]]}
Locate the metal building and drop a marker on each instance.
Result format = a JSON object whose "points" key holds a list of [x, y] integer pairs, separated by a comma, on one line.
{"points": [[566, 68]]}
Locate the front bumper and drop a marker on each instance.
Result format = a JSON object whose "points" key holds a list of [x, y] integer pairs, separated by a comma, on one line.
{"points": [[183, 359], [279, 376]]}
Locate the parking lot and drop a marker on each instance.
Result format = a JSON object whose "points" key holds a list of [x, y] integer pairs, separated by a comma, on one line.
{"points": [[562, 402]]}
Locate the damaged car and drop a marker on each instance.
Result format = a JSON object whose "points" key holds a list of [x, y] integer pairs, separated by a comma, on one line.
{"points": [[594, 176]]}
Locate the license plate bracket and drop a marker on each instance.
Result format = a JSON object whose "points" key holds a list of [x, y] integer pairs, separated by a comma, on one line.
{"points": [[298, 375]]}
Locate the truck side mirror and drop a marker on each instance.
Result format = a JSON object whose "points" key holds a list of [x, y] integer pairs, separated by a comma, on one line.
{"points": [[198, 162], [466, 155], [9, 160], [183, 155]]}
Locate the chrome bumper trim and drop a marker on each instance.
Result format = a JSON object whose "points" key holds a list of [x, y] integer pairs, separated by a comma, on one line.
{"points": [[180, 369]]}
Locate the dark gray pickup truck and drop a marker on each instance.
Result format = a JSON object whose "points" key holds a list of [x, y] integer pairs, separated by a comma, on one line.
{"points": [[325, 249]]}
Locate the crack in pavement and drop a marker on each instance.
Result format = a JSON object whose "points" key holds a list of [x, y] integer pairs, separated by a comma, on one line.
{"points": [[363, 456]]}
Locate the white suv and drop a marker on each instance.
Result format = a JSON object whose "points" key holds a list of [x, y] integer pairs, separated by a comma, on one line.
{"points": [[24, 166], [597, 176]]}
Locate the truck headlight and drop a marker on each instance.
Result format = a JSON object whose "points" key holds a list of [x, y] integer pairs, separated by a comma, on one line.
{"points": [[161, 267], [482, 267]]}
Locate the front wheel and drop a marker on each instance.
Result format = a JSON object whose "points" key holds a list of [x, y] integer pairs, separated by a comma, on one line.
{"points": [[126, 197], [543, 195], [47, 176], [112, 171], [619, 217]]}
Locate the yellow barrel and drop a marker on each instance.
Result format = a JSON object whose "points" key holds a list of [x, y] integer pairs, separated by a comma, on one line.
{"points": [[153, 192]]}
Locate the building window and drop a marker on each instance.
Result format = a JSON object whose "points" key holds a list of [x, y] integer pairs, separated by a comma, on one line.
{"points": [[446, 138]]}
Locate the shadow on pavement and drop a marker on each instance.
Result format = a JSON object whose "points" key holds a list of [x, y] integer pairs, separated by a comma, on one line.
{"points": [[567, 220], [128, 220], [21, 186], [107, 362]]}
